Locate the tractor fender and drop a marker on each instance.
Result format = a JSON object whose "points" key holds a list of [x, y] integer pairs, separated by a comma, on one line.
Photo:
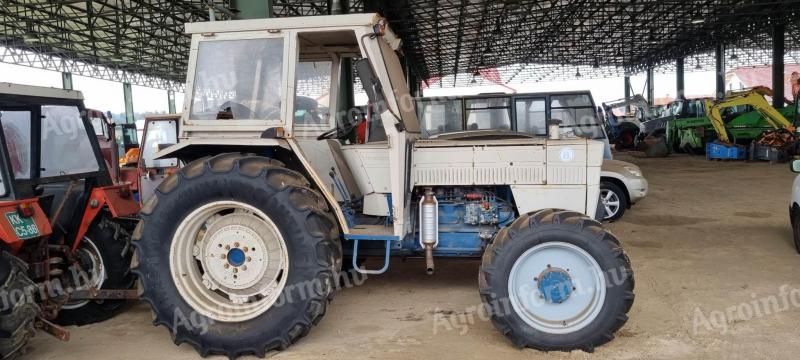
{"points": [[194, 148], [118, 200]]}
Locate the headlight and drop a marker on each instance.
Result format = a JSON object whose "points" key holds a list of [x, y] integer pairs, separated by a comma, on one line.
{"points": [[635, 171]]}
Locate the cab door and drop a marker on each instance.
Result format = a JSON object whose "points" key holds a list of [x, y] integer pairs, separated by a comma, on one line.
{"points": [[159, 133]]}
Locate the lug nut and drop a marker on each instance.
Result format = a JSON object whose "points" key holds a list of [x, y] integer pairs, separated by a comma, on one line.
{"points": [[227, 266], [249, 259], [236, 244], [222, 256], [235, 270], [227, 247], [244, 267]]}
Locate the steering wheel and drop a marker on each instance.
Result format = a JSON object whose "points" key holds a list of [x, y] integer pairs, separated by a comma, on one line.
{"points": [[329, 134], [339, 133]]}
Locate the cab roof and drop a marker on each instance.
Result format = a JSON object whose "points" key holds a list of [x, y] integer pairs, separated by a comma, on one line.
{"points": [[39, 91], [300, 22]]}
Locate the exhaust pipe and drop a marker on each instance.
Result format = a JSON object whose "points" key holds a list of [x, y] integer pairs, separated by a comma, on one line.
{"points": [[429, 227], [429, 268]]}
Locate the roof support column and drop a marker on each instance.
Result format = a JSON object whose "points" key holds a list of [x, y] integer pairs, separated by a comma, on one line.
{"points": [[254, 9], [778, 48], [171, 101], [679, 79], [720, 70], [127, 93], [627, 86], [650, 88], [66, 80]]}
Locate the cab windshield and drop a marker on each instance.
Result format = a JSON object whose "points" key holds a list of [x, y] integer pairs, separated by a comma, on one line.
{"points": [[238, 80]]}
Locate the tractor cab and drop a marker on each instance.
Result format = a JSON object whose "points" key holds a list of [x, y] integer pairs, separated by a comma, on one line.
{"points": [[51, 151]]}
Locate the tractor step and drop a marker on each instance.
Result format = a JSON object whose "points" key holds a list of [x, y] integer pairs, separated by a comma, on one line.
{"points": [[372, 233]]}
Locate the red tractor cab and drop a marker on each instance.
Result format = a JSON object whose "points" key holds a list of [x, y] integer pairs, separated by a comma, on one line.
{"points": [[65, 225], [160, 131]]}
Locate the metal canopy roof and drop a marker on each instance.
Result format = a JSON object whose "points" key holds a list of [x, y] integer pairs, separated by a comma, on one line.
{"points": [[142, 41], [467, 34]]}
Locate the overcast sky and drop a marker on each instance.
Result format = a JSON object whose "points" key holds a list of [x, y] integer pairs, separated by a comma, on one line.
{"points": [[99, 94]]}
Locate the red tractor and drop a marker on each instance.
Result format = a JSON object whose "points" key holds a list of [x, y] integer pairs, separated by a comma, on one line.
{"points": [[65, 225]]}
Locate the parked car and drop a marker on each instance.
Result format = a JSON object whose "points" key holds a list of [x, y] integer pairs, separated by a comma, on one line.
{"points": [[794, 205], [622, 184]]}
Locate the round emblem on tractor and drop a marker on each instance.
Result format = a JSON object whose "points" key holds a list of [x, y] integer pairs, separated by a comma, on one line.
{"points": [[567, 154]]}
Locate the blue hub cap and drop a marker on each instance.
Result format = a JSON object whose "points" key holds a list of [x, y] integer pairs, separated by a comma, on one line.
{"points": [[555, 285], [236, 257]]}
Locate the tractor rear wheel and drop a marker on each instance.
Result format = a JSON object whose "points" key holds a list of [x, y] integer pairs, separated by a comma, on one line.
{"points": [[18, 309], [237, 255], [556, 280], [104, 256]]}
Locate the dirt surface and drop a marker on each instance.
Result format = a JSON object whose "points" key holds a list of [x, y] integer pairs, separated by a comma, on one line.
{"points": [[710, 246]]}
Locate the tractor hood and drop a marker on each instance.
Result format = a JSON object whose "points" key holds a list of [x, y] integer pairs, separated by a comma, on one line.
{"points": [[482, 135]]}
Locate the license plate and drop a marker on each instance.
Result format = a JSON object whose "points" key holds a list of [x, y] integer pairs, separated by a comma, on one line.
{"points": [[25, 228]]}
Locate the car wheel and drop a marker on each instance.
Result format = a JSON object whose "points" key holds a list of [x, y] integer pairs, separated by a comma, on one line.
{"points": [[613, 199]]}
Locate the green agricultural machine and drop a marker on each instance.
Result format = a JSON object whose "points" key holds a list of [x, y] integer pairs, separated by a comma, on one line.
{"points": [[741, 118]]}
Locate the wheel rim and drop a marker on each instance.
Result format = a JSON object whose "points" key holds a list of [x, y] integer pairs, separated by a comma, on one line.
{"points": [[229, 261], [610, 202], [556, 287], [96, 272]]}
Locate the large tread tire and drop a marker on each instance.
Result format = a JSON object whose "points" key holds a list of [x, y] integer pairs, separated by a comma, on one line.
{"points": [[301, 215], [621, 194], [18, 309], [570, 227], [113, 243]]}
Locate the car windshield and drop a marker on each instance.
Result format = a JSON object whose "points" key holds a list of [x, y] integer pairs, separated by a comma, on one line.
{"points": [[244, 84]]}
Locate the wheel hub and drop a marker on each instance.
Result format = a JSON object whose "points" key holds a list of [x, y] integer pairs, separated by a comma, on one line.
{"points": [[551, 302], [555, 285], [229, 261], [236, 257]]}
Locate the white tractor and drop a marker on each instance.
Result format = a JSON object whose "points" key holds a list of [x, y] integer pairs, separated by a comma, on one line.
{"points": [[250, 235]]}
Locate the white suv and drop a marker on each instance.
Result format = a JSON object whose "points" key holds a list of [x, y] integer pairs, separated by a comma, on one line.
{"points": [[794, 205], [622, 184]]}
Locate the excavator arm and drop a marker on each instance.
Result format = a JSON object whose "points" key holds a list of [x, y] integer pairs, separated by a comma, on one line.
{"points": [[753, 97]]}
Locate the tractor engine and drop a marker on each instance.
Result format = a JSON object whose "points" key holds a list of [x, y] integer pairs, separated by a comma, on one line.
{"points": [[464, 220]]}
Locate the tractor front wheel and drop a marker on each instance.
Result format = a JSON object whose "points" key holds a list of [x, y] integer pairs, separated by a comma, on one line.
{"points": [[556, 280], [237, 255]]}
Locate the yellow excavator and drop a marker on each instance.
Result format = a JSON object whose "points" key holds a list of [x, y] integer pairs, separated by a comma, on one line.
{"points": [[750, 126], [753, 97]]}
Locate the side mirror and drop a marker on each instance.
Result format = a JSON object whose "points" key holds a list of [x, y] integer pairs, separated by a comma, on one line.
{"points": [[795, 166], [370, 82]]}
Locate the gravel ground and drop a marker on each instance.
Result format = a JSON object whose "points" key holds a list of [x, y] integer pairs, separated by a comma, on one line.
{"points": [[712, 252]]}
